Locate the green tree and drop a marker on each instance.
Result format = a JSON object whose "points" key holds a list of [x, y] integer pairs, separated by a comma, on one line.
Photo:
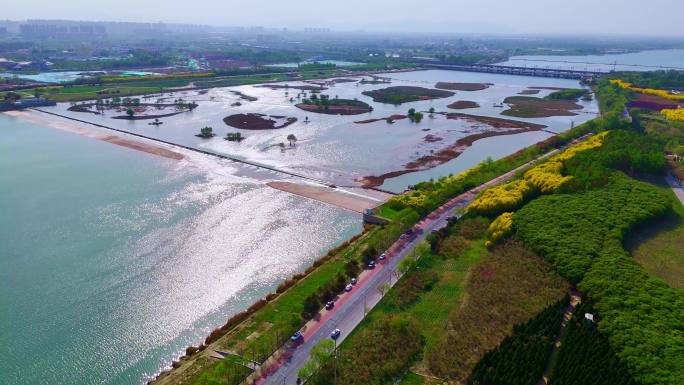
{"points": [[130, 112], [292, 139], [320, 355], [206, 132]]}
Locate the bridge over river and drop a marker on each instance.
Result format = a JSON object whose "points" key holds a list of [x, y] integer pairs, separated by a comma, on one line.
{"points": [[517, 70]]}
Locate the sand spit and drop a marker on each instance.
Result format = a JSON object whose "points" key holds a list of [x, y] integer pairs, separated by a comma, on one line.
{"points": [[74, 128]]}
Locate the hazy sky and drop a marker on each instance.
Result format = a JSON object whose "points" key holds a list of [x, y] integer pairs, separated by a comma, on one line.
{"points": [[627, 17]]}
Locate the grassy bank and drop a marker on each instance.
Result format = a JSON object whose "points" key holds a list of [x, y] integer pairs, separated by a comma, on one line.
{"points": [[659, 245]]}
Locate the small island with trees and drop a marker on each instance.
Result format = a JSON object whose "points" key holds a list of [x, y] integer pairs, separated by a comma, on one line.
{"points": [[234, 137], [206, 132], [403, 94], [323, 104]]}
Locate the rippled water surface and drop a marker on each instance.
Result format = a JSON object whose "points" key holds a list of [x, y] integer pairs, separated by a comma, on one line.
{"points": [[334, 147], [633, 61], [112, 261]]}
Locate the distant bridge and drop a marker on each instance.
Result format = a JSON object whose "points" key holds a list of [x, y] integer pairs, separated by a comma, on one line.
{"points": [[523, 71]]}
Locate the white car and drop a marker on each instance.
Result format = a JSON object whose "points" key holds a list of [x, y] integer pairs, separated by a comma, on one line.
{"points": [[348, 287]]}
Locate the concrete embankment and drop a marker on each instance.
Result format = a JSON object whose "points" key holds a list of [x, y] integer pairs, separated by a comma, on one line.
{"points": [[354, 201]]}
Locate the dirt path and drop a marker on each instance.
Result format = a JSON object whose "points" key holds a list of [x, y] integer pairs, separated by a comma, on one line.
{"points": [[575, 299]]}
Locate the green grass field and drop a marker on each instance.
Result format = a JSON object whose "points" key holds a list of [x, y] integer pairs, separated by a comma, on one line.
{"points": [[659, 246], [432, 308]]}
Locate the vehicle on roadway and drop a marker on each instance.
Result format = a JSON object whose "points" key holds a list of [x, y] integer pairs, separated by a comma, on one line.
{"points": [[335, 334], [403, 236], [371, 265], [348, 287], [382, 257], [329, 305], [353, 281], [296, 337]]}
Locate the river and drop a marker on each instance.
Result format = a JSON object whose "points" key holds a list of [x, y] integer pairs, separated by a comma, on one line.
{"points": [[634, 61], [112, 261]]}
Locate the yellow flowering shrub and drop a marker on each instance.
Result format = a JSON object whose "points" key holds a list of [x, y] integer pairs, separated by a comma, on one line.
{"points": [[650, 91], [674, 114], [500, 228], [500, 198], [548, 176]]}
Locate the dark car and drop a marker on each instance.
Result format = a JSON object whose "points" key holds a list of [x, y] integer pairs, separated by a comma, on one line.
{"points": [[371, 265], [382, 257], [335, 334], [329, 305]]}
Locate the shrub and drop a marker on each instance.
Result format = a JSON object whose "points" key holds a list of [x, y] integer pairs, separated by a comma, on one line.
{"points": [[547, 177], [379, 354], [500, 228], [471, 228], [498, 199]]}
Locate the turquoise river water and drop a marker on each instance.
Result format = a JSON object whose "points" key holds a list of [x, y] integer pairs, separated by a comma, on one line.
{"points": [[112, 261]]}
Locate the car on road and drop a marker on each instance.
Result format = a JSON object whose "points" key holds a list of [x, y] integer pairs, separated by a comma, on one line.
{"points": [[382, 257], [403, 236], [348, 287], [296, 337], [353, 281], [371, 265], [329, 305], [335, 334]]}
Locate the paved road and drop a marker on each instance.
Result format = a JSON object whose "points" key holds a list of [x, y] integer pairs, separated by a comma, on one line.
{"points": [[677, 187], [351, 307]]}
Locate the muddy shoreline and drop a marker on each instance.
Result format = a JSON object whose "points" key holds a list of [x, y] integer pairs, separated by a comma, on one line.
{"points": [[462, 86], [463, 105], [68, 126], [442, 156], [494, 122], [391, 117], [253, 121], [333, 109]]}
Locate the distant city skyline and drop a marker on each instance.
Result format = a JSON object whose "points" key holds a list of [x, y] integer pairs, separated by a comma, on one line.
{"points": [[550, 17]]}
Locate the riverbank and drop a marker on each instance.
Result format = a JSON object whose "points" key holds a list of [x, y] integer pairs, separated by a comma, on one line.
{"points": [[74, 128], [440, 157]]}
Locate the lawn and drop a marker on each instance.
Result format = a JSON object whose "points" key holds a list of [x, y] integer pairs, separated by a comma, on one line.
{"points": [[659, 246]]}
